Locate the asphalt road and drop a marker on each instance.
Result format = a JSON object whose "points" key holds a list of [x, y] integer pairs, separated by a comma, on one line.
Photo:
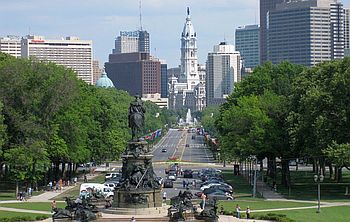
{"points": [[195, 153], [175, 144]]}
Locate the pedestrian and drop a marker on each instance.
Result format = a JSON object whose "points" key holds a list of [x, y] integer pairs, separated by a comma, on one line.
{"points": [[194, 183], [203, 197], [60, 184], [75, 180], [29, 191], [187, 183], [164, 196], [85, 179], [238, 211], [248, 212], [132, 219], [50, 185], [53, 206], [183, 183]]}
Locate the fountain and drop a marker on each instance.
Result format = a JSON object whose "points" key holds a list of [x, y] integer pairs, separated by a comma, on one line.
{"points": [[189, 117]]}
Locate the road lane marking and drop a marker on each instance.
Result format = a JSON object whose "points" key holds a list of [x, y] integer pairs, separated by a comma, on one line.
{"points": [[176, 148], [183, 150]]}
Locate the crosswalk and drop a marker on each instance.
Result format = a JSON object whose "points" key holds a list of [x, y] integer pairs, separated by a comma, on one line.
{"points": [[174, 146]]}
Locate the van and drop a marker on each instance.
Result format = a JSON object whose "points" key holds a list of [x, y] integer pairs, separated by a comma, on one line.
{"points": [[106, 191]]}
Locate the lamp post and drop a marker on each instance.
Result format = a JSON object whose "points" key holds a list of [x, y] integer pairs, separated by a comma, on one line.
{"points": [[255, 161], [318, 179]]}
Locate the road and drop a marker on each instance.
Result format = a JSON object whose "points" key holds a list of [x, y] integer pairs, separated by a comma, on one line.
{"points": [[194, 156], [175, 144]]}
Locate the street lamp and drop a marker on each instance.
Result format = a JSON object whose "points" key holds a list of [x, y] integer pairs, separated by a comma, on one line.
{"points": [[318, 179], [255, 176]]}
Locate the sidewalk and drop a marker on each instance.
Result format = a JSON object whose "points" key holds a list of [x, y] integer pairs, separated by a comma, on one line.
{"points": [[267, 192], [48, 195]]}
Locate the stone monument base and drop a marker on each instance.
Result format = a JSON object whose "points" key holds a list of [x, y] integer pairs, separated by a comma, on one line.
{"points": [[137, 199], [160, 211]]}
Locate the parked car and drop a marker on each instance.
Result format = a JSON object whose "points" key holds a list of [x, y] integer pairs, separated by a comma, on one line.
{"points": [[216, 188], [215, 184], [168, 183], [220, 195], [188, 173], [111, 175], [187, 145], [172, 175]]}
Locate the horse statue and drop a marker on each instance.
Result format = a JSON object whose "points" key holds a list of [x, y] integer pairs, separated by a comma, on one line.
{"points": [[136, 116]]}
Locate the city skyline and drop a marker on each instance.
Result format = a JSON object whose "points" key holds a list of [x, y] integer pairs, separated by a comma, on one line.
{"points": [[101, 22]]}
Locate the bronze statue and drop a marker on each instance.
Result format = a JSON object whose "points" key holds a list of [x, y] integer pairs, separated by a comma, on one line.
{"points": [[136, 116]]}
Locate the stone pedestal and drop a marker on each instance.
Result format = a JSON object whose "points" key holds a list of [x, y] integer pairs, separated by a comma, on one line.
{"points": [[137, 199], [139, 189]]}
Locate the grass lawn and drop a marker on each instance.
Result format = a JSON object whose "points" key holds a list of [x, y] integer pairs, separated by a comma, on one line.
{"points": [[33, 206], [259, 204], [74, 192], [6, 195], [240, 185], [336, 214], [4, 215], [304, 188]]}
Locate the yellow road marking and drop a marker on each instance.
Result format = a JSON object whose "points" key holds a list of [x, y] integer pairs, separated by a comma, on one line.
{"points": [[182, 154], [177, 145]]}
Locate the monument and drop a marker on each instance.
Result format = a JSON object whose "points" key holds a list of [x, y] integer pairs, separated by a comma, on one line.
{"points": [[139, 188]]}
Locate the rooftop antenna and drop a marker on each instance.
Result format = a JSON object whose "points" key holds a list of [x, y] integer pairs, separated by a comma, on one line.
{"points": [[140, 10]]}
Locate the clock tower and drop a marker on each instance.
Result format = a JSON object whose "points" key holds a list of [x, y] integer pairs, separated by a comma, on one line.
{"points": [[189, 60]]}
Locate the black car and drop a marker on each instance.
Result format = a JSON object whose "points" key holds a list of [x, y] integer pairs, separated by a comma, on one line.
{"points": [[188, 174], [164, 150], [168, 183]]}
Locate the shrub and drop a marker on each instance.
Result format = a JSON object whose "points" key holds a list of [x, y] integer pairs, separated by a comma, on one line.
{"points": [[24, 218]]}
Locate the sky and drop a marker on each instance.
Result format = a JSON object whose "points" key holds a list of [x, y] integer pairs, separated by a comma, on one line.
{"points": [[102, 20]]}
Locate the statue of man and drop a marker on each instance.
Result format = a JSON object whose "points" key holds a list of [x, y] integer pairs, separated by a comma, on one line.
{"points": [[136, 115]]}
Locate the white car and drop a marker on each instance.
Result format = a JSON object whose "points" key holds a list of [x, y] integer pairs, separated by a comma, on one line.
{"points": [[110, 185], [111, 175], [214, 184]]}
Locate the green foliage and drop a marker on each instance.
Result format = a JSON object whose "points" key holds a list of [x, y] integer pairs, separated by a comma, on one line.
{"points": [[339, 154], [208, 117]]}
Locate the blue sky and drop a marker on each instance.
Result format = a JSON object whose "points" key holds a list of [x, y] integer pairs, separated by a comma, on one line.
{"points": [[101, 21]]}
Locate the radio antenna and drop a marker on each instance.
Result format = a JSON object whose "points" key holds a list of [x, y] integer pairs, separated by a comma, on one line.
{"points": [[140, 10]]}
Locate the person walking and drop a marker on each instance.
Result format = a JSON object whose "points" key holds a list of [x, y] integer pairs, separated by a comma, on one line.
{"points": [[194, 183], [248, 213], [164, 196], [183, 183], [132, 219], [203, 197], [238, 211]]}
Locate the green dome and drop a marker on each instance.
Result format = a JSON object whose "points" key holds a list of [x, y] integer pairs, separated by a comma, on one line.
{"points": [[104, 81]]}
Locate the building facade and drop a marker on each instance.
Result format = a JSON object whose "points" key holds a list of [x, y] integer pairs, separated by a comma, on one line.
{"points": [[223, 71], [317, 33], [11, 45], [347, 32], [132, 41], [96, 71], [185, 91], [71, 52], [164, 79], [137, 73], [247, 43], [265, 7]]}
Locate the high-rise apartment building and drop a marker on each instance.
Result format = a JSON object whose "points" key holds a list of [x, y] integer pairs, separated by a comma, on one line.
{"points": [[247, 43], [137, 73], [305, 32], [265, 7], [223, 71], [11, 45], [132, 41], [71, 52]]}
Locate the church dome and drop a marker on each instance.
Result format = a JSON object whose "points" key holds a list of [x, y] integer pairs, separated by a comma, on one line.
{"points": [[104, 81]]}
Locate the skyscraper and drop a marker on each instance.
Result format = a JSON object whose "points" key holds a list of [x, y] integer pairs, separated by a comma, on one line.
{"points": [[265, 7], [247, 43], [164, 79], [306, 32], [223, 71], [11, 45], [137, 73], [132, 41], [347, 32], [70, 52], [96, 70]]}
